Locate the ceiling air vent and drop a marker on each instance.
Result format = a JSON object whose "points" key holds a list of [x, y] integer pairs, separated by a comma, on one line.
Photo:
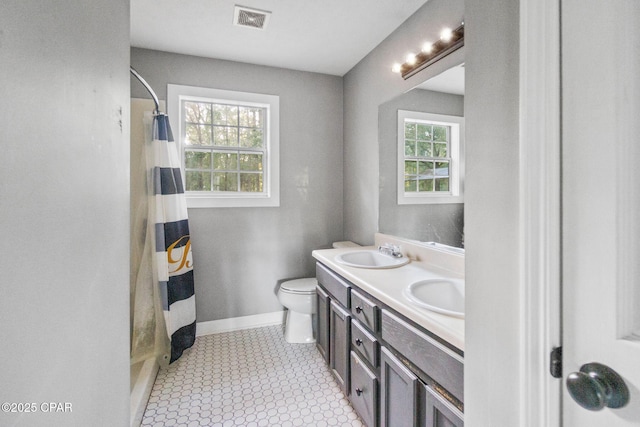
{"points": [[252, 18]]}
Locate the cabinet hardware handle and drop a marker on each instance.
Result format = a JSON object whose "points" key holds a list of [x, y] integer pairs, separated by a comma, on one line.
{"points": [[358, 309], [358, 391], [358, 342]]}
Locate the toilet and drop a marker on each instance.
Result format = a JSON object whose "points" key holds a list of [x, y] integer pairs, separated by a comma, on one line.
{"points": [[299, 297]]}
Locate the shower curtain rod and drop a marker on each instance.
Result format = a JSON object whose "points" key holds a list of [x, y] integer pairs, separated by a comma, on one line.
{"points": [[146, 85]]}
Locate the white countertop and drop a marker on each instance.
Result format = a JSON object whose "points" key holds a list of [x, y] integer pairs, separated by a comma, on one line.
{"points": [[387, 285]]}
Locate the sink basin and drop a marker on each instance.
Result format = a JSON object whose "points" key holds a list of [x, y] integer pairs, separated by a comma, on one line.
{"points": [[444, 296], [370, 259]]}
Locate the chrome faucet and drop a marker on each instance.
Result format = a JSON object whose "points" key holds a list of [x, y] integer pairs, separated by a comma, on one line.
{"points": [[390, 249]]}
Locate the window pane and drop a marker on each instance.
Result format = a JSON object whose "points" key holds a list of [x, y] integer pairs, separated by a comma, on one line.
{"points": [[442, 184], [226, 115], [410, 167], [251, 162], [198, 135], [439, 150], [225, 136], [197, 112], [225, 161], [409, 184], [251, 182], [424, 149], [409, 130], [409, 148], [251, 138], [424, 132], [198, 181], [425, 169], [225, 181], [425, 185], [442, 168], [197, 159], [440, 133], [251, 117]]}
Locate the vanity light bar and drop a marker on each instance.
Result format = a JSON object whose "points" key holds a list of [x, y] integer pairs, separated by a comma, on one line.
{"points": [[450, 41]]}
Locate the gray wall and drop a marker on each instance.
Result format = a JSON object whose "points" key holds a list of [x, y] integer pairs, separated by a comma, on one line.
{"points": [[369, 84], [64, 210], [240, 254], [441, 223], [492, 238]]}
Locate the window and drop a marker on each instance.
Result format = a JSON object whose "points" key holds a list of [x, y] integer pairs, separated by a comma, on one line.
{"points": [[228, 144], [430, 161]]}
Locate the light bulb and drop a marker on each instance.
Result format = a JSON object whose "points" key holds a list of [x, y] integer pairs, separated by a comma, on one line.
{"points": [[446, 34], [411, 59], [427, 47], [396, 68]]}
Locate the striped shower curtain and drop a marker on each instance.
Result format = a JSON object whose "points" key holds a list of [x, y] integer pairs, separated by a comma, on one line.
{"points": [[174, 262]]}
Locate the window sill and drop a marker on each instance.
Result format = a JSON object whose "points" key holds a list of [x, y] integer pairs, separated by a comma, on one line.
{"points": [[207, 201], [429, 200]]}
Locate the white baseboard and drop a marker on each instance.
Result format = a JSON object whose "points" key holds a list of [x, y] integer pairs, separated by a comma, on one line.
{"points": [[142, 390], [239, 323]]}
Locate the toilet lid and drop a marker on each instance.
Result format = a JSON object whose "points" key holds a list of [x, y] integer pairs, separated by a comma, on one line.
{"points": [[301, 286]]}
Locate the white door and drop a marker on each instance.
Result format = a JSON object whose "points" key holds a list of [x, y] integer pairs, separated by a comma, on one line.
{"points": [[601, 200]]}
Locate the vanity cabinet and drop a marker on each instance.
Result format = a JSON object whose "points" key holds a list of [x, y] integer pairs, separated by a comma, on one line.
{"points": [[394, 372]]}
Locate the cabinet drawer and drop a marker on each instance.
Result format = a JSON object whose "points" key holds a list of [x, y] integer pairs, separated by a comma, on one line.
{"points": [[364, 391], [364, 310], [364, 342], [440, 363], [336, 285]]}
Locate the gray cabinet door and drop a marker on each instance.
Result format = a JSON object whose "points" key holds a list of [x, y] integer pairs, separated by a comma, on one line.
{"points": [[439, 412], [398, 392], [339, 343], [322, 323]]}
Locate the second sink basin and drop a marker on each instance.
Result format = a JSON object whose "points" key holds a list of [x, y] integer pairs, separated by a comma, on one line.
{"points": [[444, 296], [370, 258]]}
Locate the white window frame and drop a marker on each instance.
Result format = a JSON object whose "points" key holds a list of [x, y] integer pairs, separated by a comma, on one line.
{"points": [[456, 147], [270, 197]]}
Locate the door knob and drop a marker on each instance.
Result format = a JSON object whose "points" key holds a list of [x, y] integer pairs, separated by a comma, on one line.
{"points": [[597, 386]]}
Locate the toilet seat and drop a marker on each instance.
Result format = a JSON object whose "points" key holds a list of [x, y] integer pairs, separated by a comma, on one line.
{"points": [[299, 286]]}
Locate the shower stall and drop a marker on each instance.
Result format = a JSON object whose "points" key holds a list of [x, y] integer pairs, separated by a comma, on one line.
{"points": [[162, 310]]}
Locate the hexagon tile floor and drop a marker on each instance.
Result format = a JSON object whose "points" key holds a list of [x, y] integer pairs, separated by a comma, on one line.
{"points": [[248, 378]]}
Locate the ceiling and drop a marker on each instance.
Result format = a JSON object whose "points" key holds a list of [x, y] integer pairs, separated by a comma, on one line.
{"points": [[324, 36]]}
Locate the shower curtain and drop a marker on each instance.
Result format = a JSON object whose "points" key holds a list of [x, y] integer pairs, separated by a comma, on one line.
{"points": [[163, 309]]}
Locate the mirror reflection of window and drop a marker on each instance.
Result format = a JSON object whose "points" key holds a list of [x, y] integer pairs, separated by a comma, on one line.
{"points": [[430, 162], [426, 157]]}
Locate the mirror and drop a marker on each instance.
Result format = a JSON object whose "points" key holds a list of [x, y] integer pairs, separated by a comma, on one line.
{"points": [[441, 223]]}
